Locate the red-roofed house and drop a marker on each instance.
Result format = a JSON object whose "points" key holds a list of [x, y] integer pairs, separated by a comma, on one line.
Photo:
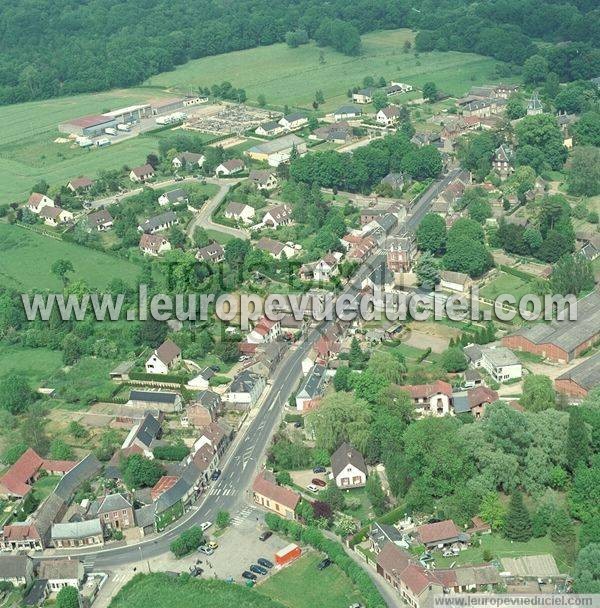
{"points": [[431, 399], [38, 201], [141, 174], [278, 499], [440, 533], [166, 482], [264, 331]]}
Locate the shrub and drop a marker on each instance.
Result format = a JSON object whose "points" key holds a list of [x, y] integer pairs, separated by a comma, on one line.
{"points": [[187, 541], [173, 453]]}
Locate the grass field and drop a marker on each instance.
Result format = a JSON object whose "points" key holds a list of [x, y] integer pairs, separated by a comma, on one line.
{"points": [[162, 591], [26, 258], [291, 76], [506, 283], [303, 586], [44, 486], [34, 363]]}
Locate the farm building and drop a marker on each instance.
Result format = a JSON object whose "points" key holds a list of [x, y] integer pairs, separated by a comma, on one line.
{"points": [[88, 126], [581, 379]]}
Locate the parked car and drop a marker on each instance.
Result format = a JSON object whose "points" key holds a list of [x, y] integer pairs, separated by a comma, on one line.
{"points": [[205, 550], [206, 525], [324, 564], [249, 575], [319, 482], [297, 424], [195, 571], [312, 487], [265, 562], [216, 474], [265, 535], [319, 470], [258, 569]]}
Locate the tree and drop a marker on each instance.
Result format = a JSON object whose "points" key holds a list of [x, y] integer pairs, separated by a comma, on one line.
{"points": [[15, 393], [59, 450], [356, 358], [572, 274], [587, 129], [587, 570], [578, 441], [515, 108], [333, 496], [541, 520], [427, 270], [67, 597], [584, 173], [223, 519], [140, 472], [517, 525], [430, 91], [189, 540], [431, 234], [77, 430], [492, 511], [538, 393], [468, 256], [61, 268], [542, 133], [261, 100], [380, 100], [454, 360], [535, 69], [561, 528], [584, 496], [341, 379], [376, 494]]}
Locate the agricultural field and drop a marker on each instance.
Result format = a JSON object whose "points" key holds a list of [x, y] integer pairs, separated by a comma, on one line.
{"points": [[291, 76], [26, 258], [34, 363], [303, 586], [162, 591]]}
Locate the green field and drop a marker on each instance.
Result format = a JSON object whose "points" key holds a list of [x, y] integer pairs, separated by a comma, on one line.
{"points": [[162, 591], [291, 76], [34, 363], [506, 283], [303, 586], [26, 258], [44, 486]]}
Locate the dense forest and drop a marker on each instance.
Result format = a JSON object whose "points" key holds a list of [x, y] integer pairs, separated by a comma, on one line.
{"points": [[59, 47]]}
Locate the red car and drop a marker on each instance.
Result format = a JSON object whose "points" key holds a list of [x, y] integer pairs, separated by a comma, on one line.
{"points": [[319, 482]]}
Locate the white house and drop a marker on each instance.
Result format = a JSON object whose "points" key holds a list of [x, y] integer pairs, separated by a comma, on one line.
{"points": [[202, 380], [291, 122], [100, 220], [53, 216], [38, 201], [348, 467], [454, 281], [164, 358], [154, 244], [431, 399], [275, 248], [230, 167], [327, 267], [498, 361], [245, 389], [142, 174], [266, 330], [388, 116], [363, 96], [269, 129], [188, 160], [281, 215], [61, 572], [263, 179], [172, 197], [240, 212], [345, 112]]}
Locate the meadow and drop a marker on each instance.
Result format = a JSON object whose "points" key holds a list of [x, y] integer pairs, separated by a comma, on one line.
{"points": [[26, 259], [291, 76], [34, 363]]}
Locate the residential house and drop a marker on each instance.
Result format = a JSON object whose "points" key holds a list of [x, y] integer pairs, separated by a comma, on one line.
{"points": [[395, 88], [363, 96], [77, 534], [213, 253], [115, 511], [38, 201], [534, 106], [188, 160], [473, 401], [80, 184], [280, 215], [588, 244], [165, 401], [269, 129], [348, 467], [202, 380], [580, 380], [203, 409], [245, 389], [293, 122], [159, 222], [322, 270], [382, 534], [263, 179], [311, 389], [380, 279], [370, 214], [278, 150], [217, 435], [142, 174], [154, 244], [360, 248], [275, 248], [279, 499], [240, 212], [454, 281], [433, 399], [16, 570], [54, 216], [144, 436], [346, 112], [501, 363], [266, 330], [337, 133], [394, 180], [100, 220], [61, 572], [388, 116], [401, 253], [230, 167], [440, 534], [503, 161], [173, 197], [472, 378], [164, 358]]}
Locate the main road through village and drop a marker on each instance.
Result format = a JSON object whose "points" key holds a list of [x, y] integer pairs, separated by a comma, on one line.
{"points": [[244, 458]]}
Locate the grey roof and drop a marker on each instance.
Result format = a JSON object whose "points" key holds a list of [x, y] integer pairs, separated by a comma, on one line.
{"points": [[144, 516], [244, 382], [367, 91], [153, 396], [499, 356], [534, 102], [294, 116], [387, 221], [77, 529], [566, 334], [208, 399], [383, 533], [277, 145], [175, 195], [472, 375], [395, 180], [473, 352], [314, 383], [210, 252], [113, 502], [454, 277], [148, 430], [586, 374], [381, 275], [348, 109], [155, 222], [13, 566], [85, 469], [173, 495], [460, 402], [61, 568], [345, 455], [37, 593], [124, 367], [271, 125]]}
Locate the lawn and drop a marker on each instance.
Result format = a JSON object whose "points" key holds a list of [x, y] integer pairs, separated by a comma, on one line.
{"points": [[34, 363], [44, 486], [162, 591], [301, 585], [220, 237], [26, 258], [291, 76], [506, 283]]}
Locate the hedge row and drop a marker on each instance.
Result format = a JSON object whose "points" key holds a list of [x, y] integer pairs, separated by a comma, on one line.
{"points": [[520, 274], [316, 539], [171, 378]]}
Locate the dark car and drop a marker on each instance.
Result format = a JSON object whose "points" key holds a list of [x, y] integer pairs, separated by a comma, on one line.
{"points": [[196, 571], [258, 569], [297, 424], [319, 482], [249, 575], [264, 562], [216, 474], [324, 564], [265, 535], [319, 470]]}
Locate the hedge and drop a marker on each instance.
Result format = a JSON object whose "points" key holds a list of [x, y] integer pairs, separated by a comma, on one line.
{"points": [[515, 272], [170, 378], [336, 553], [173, 453]]}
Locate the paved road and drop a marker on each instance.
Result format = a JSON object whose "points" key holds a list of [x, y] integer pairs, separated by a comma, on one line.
{"points": [[245, 456]]}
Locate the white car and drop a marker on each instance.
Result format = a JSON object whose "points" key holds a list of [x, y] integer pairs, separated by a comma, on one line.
{"points": [[312, 487], [206, 525]]}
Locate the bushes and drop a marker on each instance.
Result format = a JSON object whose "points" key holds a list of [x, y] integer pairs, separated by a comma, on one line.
{"points": [[174, 453], [188, 541], [170, 378]]}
